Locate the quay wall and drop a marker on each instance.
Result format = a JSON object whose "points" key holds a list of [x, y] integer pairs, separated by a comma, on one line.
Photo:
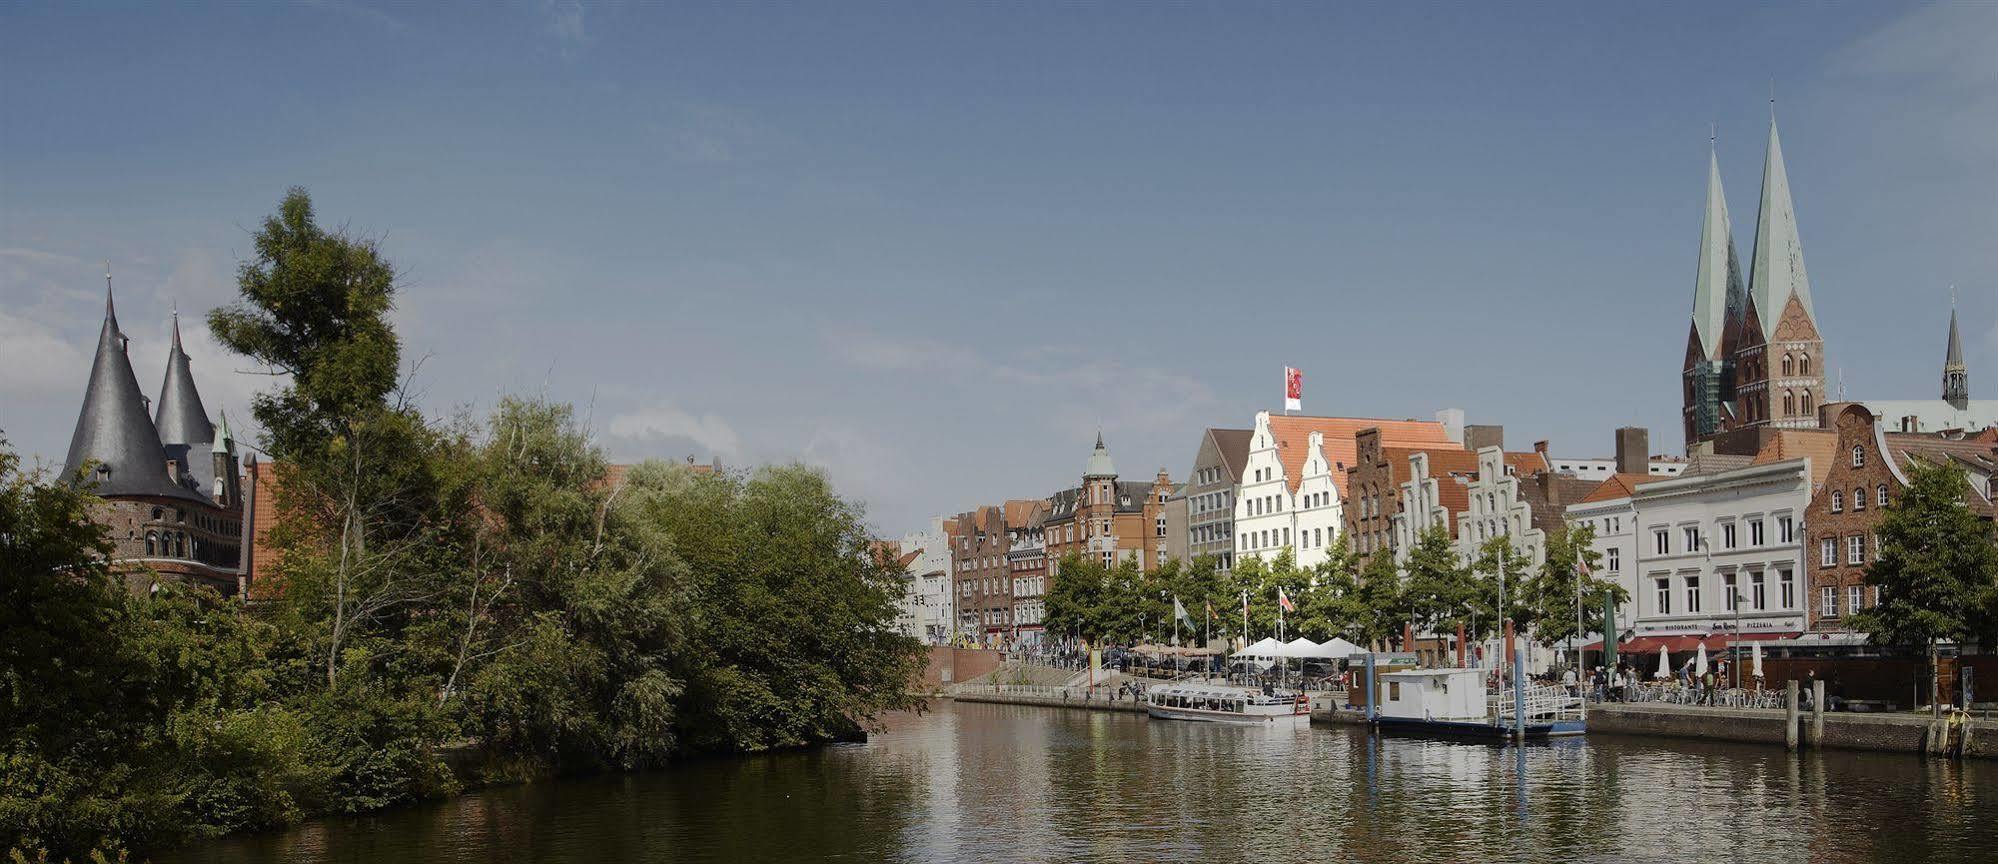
{"points": [[948, 665], [999, 697], [1754, 725]]}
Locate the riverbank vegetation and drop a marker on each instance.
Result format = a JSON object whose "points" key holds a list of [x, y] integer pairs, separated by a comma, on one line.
{"points": [[484, 585], [1434, 590]]}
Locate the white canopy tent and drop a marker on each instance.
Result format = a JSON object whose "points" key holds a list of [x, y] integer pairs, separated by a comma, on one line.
{"points": [[1301, 648], [1341, 649], [1263, 649]]}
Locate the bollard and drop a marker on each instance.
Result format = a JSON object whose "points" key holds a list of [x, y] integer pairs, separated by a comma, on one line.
{"points": [[1818, 713], [1790, 715]]}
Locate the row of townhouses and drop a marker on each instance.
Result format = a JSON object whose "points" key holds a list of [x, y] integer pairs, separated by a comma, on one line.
{"points": [[1762, 530]]}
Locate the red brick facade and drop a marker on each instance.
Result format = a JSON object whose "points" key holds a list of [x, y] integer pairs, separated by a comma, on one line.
{"points": [[1841, 518]]}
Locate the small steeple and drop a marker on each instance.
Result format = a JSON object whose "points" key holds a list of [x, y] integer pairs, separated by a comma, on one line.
{"points": [[1956, 378], [222, 437], [179, 415], [1777, 273], [1099, 464]]}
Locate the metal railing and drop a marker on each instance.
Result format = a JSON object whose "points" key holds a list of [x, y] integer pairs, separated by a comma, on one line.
{"points": [[1730, 697]]}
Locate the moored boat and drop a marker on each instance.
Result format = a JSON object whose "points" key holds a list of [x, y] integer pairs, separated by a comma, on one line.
{"points": [[1456, 703], [1220, 703]]}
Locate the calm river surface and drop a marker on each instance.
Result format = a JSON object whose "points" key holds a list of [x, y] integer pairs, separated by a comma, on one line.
{"points": [[999, 783]]}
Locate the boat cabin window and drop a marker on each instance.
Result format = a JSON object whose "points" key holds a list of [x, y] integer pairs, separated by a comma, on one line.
{"points": [[1394, 690]]}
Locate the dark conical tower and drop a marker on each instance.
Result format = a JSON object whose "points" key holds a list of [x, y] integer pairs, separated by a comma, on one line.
{"points": [[182, 421], [113, 433], [1956, 378]]}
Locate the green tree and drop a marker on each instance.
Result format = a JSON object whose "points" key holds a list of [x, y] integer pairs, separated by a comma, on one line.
{"points": [[1333, 606], [1383, 604], [1553, 595], [1075, 599], [790, 638], [1935, 566], [1502, 573], [1442, 593]]}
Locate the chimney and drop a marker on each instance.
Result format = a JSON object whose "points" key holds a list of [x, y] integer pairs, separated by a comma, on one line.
{"points": [[1478, 437], [1633, 450], [1453, 424]]}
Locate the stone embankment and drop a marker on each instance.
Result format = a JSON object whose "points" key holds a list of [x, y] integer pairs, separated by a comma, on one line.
{"points": [[1895, 733]]}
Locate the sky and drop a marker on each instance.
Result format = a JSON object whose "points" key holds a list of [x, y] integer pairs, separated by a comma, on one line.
{"points": [[934, 248]]}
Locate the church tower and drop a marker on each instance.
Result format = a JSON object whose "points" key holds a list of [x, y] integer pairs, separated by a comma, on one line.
{"points": [[1956, 378], [1779, 365], [1718, 301]]}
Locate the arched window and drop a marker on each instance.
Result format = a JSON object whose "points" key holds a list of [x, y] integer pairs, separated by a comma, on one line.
{"points": [[1859, 498], [1789, 365], [1858, 456], [1806, 402], [153, 542], [1882, 500], [1789, 404], [1838, 501], [1803, 364]]}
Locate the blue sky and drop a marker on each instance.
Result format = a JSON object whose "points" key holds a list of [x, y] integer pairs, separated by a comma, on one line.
{"points": [[934, 247]]}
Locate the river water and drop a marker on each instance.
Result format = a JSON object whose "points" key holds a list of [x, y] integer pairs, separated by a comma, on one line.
{"points": [[970, 782]]}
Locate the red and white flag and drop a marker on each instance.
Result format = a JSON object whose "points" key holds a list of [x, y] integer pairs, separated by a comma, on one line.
{"points": [[1293, 389], [1284, 600]]}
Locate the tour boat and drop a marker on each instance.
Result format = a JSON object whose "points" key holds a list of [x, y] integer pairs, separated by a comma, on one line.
{"points": [[1217, 703]]}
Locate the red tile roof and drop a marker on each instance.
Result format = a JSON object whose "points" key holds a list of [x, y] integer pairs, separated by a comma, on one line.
{"points": [[1619, 486], [1293, 436]]}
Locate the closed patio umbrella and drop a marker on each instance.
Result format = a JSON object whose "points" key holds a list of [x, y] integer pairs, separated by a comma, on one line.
{"points": [[1755, 660], [1700, 662], [1664, 664]]}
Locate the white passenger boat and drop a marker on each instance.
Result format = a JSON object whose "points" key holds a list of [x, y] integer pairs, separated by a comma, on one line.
{"points": [[1220, 703]]}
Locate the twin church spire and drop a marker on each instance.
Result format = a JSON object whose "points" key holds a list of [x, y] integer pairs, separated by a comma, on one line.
{"points": [[1754, 356]]}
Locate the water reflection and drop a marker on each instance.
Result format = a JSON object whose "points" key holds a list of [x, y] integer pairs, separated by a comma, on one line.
{"points": [[996, 783]]}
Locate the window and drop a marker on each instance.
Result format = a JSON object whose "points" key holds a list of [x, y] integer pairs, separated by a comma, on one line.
{"points": [[1858, 456], [1838, 501], [1664, 596], [1828, 602], [1789, 403], [1732, 602], [1805, 402], [1755, 537], [1853, 595], [1789, 365], [1662, 539], [1787, 585], [1785, 530], [1858, 499], [1804, 368], [1827, 552], [1855, 549], [1613, 559], [1727, 535], [1692, 538], [152, 539], [1693, 594], [1758, 596], [1882, 499]]}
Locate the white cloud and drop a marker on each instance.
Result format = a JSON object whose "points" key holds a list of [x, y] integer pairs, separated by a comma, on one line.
{"points": [[565, 23], [359, 12], [649, 428], [36, 358], [1934, 69]]}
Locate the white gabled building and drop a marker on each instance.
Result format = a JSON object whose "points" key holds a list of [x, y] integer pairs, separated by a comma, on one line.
{"points": [[1292, 494], [926, 608]]}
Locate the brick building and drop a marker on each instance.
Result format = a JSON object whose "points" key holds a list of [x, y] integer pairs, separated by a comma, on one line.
{"points": [[1107, 519], [1868, 472], [982, 575], [1027, 563]]}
